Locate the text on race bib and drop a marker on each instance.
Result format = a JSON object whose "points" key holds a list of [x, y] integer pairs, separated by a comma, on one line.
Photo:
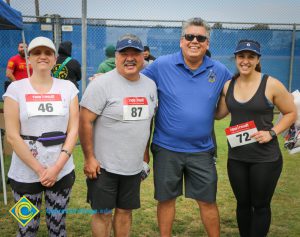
{"points": [[135, 108], [44, 104], [239, 135]]}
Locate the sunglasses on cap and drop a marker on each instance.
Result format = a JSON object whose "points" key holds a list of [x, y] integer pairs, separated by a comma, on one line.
{"points": [[191, 37]]}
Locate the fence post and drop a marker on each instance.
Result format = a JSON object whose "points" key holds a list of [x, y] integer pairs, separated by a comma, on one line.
{"points": [[57, 30], [83, 39], [292, 58]]}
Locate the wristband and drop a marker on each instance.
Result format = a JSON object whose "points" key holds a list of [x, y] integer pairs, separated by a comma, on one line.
{"points": [[67, 152]]}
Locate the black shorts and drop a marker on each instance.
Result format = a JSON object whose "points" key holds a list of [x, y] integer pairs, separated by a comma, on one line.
{"points": [[197, 171], [110, 191], [65, 182]]}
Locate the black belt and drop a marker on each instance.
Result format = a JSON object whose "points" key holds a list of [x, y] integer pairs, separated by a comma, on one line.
{"points": [[40, 139], [48, 138], [32, 138]]}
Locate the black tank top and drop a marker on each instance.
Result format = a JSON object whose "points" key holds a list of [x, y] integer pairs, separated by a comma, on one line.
{"points": [[259, 109]]}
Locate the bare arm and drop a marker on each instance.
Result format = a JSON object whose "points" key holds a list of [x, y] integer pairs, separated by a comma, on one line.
{"points": [[10, 75], [222, 109], [91, 165], [12, 126], [146, 154], [72, 133], [277, 93], [285, 104]]}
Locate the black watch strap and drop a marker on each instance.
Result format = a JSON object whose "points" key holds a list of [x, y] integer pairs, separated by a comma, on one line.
{"points": [[273, 134]]}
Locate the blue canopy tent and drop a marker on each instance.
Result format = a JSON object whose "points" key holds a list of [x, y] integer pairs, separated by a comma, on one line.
{"points": [[10, 19]]}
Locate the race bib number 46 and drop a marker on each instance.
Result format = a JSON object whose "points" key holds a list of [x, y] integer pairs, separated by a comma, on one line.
{"points": [[44, 104], [239, 135], [135, 108]]}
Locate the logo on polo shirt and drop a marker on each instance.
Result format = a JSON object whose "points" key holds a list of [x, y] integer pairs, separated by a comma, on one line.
{"points": [[211, 76]]}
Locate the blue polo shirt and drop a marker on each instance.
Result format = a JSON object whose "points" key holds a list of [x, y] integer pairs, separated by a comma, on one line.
{"points": [[186, 102]]}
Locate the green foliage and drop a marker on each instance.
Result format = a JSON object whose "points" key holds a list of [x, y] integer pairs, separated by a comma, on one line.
{"points": [[217, 25], [285, 204], [260, 27]]}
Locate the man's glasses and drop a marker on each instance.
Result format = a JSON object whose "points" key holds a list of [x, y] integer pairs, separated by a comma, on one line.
{"points": [[190, 37]]}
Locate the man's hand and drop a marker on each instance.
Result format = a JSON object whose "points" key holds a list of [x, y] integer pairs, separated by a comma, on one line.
{"points": [[91, 168]]}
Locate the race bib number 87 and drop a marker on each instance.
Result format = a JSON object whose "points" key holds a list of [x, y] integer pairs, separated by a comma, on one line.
{"points": [[135, 108], [44, 104], [239, 134]]}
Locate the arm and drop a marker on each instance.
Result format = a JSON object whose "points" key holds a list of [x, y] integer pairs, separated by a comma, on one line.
{"points": [[91, 165], [12, 126], [50, 176], [146, 154], [285, 103], [222, 109], [281, 98], [10, 75]]}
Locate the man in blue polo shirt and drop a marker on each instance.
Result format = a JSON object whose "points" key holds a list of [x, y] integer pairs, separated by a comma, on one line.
{"points": [[189, 84]]}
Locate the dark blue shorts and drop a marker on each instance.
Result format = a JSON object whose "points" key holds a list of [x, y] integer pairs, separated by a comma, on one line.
{"points": [[197, 170]]}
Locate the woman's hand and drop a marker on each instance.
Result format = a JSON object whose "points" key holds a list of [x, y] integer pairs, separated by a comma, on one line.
{"points": [[262, 136], [49, 176]]}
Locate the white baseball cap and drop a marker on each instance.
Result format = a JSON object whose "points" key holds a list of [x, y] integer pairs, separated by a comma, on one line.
{"points": [[41, 41]]}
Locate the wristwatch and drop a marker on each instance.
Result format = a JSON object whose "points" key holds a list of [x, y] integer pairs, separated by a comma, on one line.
{"points": [[273, 133]]}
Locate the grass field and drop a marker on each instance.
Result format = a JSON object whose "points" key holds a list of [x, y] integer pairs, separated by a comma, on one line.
{"points": [[285, 205]]}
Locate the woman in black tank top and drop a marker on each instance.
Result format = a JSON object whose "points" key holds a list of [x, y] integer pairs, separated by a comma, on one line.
{"points": [[254, 157]]}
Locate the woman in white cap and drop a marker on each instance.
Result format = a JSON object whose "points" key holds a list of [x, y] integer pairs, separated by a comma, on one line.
{"points": [[254, 157], [41, 120]]}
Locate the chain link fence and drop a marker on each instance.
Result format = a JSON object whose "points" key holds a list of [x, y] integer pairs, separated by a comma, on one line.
{"points": [[280, 43]]}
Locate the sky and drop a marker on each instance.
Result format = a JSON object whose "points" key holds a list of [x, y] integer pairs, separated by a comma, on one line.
{"points": [[252, 11]]}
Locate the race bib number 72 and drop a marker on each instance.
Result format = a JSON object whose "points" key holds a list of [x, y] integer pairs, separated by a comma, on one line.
{"points": [[239, 134]]}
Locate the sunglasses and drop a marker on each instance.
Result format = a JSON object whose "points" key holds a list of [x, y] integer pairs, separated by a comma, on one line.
{"points": [[190, 37]]}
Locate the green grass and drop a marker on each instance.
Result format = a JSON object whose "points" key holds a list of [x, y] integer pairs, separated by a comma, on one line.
{"points": [[285, 205]]}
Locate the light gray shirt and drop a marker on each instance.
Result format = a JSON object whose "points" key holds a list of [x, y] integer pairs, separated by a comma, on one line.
{"points": [[119, 144], [36, 125]]}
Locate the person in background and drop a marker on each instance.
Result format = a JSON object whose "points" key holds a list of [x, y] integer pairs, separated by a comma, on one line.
{"points": [[147, 55], [109, 63], [189, 85], [41, 121], [66, 67], [254, 157], [115, 118], [16, 67]]}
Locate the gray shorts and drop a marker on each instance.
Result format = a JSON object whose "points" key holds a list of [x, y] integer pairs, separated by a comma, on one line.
{"points": [[198, 171]]}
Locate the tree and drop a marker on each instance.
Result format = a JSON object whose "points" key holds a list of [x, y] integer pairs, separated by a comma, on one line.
{"points": [[217, 25], [260, 26]]}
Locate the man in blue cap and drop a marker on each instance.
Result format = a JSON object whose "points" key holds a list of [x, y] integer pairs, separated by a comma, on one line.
{"points": [[115, 117]]}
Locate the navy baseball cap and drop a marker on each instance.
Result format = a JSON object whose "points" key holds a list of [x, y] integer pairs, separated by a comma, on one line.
{"points": [[248, 45], [129, 41]]}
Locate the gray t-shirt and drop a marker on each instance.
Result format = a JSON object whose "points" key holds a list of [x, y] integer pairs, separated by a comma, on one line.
{"points": [[120, 137]]}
